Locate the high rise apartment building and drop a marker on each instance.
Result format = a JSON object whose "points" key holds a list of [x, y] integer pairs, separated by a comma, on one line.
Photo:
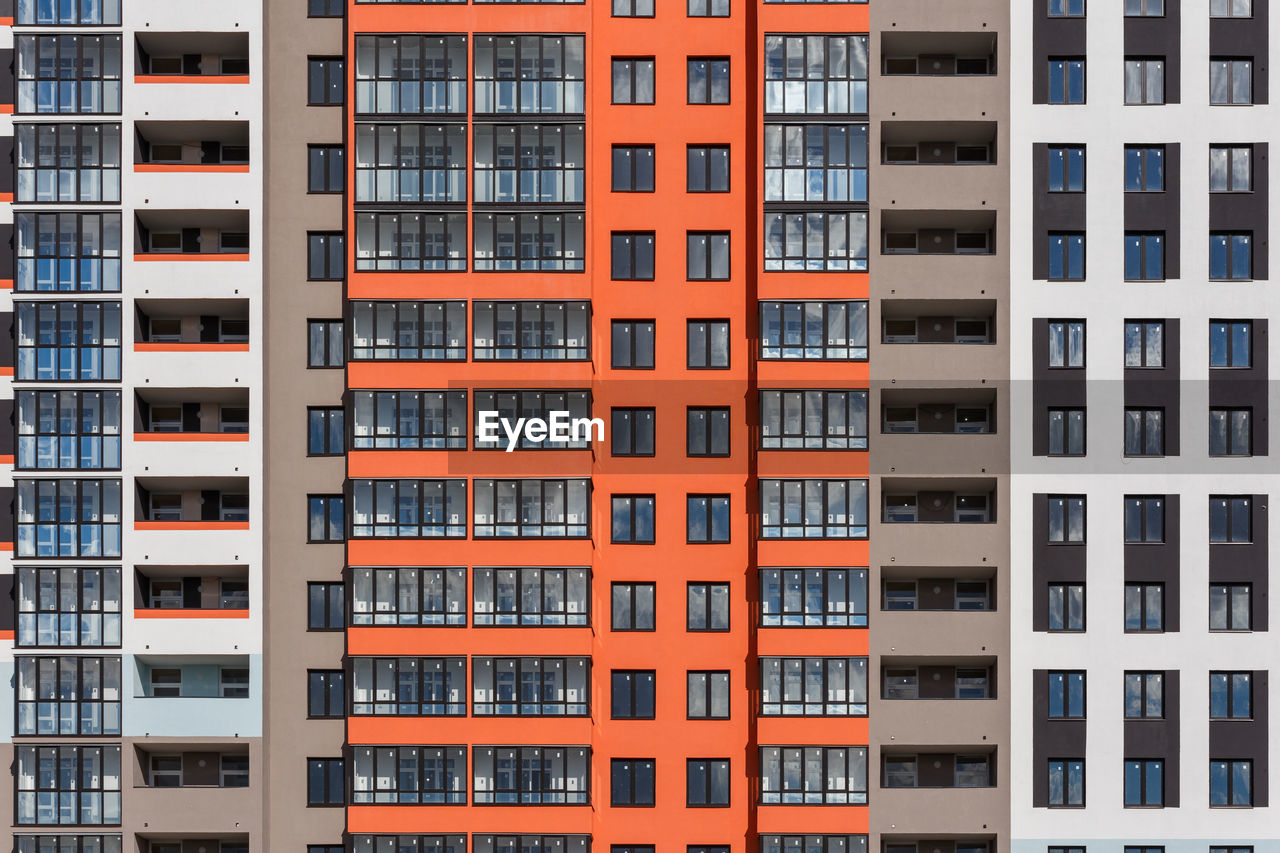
{"points": [[912, 356]]}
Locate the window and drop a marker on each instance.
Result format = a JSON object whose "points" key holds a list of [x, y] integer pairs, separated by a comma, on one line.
{"points": [[817, 775], [797, 80], [534, 508], [813, 598], [326, 693], [815, 162], [1230, 168], [326, 256], [632, 520], [632, 344], [552, 78], [68, 341], [707, 168], [1066, 80], [68, 784], [1231, 607], [522, 163], [1143, 81], [813, 686], [68, 162], [233, 682], [526, 686], [707, 519], [1143, 168], [1230, 256], [815, 241], [813, 420], [631, 782], [68, 607], [233, 772], [511, 405], [1144, 343], [68, 73], [707, 344], [1230, 695], [1066, 169], [1230, 782], [631, 432], [1230, 343], [813, 509], [419, 331], [1144, 8], [1144, 256], [633, 607], [532, 331], [325, 346], [1066, 343], [164, 683], [414, 419], [520, 843], [1066, 782], [1229, 519], [1144, 695], [826, 843], [1230, 81], [708, 607], [1143, 519], [68, 429], [633, 80], [1066, 432], [1230, 8], [1144, 432], [1066, 695], [71, 843], [706, 782], [430, 242], [1231, 432], [707, 431], [413, 596], [632, 694], [428, 163], [68, 695], [68, 518], [67, 252], [418, 74], [326, 433], [633, 168], [708, 8], [326, 607], [633, 9], [532, 596], [1144, 607], [816, 331], [1066, 607], [1066, 8], [707, 695], [324, 81], [1066, 257], [325, 170], [325, 9], [707, 256], [431, 775], [1143, 782], [48, 13], [412, 508], [1066, 518], [708, 77], [326, 521], [632, 256]]}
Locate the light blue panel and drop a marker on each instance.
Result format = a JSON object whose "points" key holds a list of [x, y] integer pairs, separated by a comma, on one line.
{"points": [[1171, 845], [8, 684], [195, 716], [199, 680]]}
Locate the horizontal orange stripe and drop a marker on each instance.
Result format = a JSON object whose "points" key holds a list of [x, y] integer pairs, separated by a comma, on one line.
{"points": [[6, 635], [191, 78], [188, 613], [6, 459], [6, 22], [191, 256], [6, 197], [184, 167], [6, 546], [6, 109], [190, 525], [6, 371], [6, 284], [182, 346], [190, 436]]}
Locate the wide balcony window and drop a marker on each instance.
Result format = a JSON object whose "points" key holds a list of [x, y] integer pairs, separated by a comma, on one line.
{"points": [[409, 686], [68, 518], [532, 508], [426, 775], [813, 331], [813, 775], [532, 597], [417, 420], [815, 162], [68, 73], [66, 785], [419, 163], [409, 508], [530, 74], [531, 775], [68, 162], [815, 74], [68, 607], [68, 341], [813, 598], [68, 695], [409, 596], [411, 242], [67, 252], [813, 509], [532, 331], [530, 163], [412, 331], [68, 429], [530, 686], [411, 74]]}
